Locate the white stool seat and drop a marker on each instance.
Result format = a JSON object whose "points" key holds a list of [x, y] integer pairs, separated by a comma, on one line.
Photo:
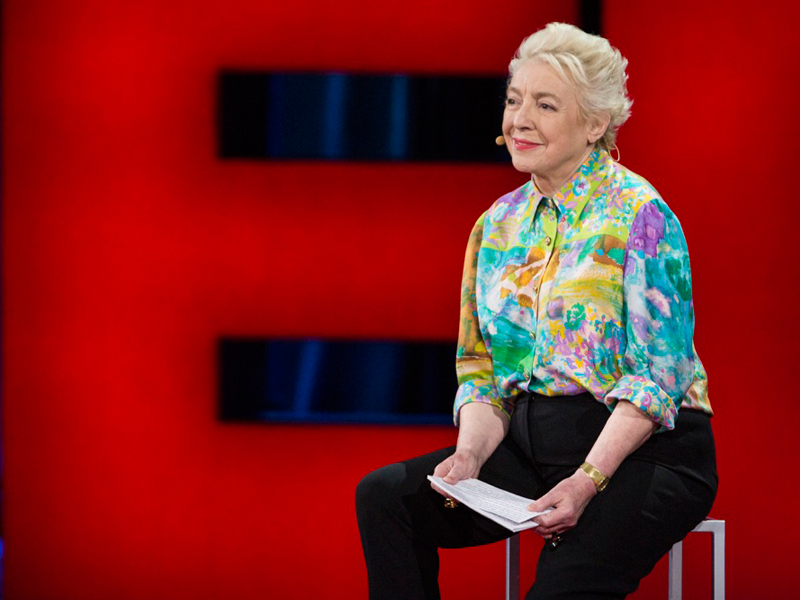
{"points": [[714, 526]]}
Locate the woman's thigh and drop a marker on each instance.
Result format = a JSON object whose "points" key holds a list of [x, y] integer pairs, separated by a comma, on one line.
{"points": [[401, 491], [622, 534]]}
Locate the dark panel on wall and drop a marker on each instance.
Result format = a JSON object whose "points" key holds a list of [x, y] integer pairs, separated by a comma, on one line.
{"points": [[340, 116], [590, 16], [336, 381]]}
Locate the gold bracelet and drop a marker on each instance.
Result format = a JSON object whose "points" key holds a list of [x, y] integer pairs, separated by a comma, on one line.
{"points": [[600, 481]]}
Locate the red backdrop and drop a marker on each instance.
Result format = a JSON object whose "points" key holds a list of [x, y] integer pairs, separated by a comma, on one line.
{"points": [[714, 124], [128, 248]]}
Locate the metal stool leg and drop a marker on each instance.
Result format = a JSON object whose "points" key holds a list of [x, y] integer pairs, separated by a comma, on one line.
{"points": [[676, 572], [512, 568], [717, 528]]}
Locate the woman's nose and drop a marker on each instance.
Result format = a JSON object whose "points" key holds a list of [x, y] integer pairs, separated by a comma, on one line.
{"points": [[523, 119]]}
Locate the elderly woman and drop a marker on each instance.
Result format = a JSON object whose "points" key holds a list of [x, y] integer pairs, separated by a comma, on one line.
{"points": [[579, 384]]}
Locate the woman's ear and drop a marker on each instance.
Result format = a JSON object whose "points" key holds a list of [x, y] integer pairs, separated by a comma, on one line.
{"points": [[598, 126]]}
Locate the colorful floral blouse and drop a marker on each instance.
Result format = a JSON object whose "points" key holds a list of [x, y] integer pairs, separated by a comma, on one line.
{"points": [[589, 290]]}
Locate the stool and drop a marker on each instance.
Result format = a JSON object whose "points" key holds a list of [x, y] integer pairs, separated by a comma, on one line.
{"points": [[717, 528], [714, 526]]}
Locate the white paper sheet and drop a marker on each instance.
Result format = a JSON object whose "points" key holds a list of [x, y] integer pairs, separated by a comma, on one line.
{"points": [[507, 509]]}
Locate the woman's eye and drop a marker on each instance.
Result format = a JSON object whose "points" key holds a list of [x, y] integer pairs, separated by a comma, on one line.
{"points": [[510, 101], [545, 106]]}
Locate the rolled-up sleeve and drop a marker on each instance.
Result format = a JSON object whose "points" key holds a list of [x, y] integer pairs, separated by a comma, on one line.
{"points": [[473, 358], [658, 365]]}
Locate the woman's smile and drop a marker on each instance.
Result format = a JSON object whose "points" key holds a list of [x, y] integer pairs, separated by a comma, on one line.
{"points": [[520, 144]]}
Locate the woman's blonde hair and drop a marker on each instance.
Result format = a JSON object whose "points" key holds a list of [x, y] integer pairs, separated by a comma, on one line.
{"points": [[591, 64]]}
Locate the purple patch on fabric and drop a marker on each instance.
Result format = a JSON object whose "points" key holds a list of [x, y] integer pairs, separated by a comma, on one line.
{"points": [[647, 229], [640, 325], [555, 307]]}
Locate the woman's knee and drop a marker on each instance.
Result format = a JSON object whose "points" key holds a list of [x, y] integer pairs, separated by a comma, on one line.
{"points": [[379, 489]]}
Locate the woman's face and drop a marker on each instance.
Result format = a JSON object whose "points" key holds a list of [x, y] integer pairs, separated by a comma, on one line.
{"points": [[543, 128]]}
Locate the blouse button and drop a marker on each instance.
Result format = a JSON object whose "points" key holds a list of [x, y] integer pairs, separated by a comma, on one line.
{"points": [[547, 240]]}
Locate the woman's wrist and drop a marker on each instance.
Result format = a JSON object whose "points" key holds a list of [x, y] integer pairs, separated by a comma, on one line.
{"points": [[598, 478], [586, 483], [480, 454], [482, 428]]}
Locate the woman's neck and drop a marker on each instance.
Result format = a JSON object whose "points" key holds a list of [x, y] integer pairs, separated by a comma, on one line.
{"points": [[549, 185]]}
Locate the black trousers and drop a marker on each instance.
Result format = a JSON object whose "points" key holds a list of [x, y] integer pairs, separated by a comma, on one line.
{"points": [[658, 494]]}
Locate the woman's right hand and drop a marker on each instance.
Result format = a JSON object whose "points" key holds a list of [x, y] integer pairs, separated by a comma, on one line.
{"points": [[463, 464]]}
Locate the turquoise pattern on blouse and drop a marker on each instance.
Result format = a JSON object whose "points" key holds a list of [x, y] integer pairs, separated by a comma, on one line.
{"points": [[589, 290]]}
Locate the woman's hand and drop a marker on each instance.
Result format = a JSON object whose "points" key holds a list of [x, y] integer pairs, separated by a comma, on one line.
{"points": [[482, 428], [463, 464], [569, 499], [626, 429]]}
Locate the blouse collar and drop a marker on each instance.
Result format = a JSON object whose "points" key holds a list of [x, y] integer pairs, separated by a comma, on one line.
{"points": [[572, 197]]}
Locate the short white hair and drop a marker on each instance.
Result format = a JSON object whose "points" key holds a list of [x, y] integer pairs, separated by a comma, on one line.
{"points": [[591, 64]]}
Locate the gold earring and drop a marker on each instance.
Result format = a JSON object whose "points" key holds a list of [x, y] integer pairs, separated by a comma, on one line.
{"points": [[500, 140], [612, 150]]}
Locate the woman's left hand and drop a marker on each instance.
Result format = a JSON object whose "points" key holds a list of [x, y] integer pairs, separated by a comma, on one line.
{"points": [[568, 499]]}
